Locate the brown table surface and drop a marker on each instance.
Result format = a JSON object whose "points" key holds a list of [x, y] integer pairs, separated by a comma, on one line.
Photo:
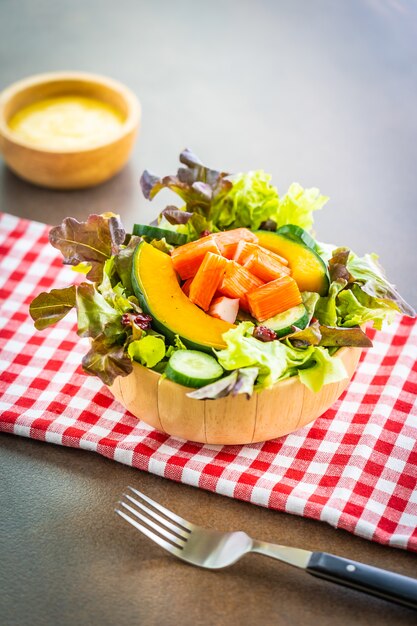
{"points": [[323, 93]]}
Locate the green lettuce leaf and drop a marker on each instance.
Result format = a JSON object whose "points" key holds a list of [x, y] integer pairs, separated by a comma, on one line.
{"points": [[91, 242], [123, 262], [243, 350], [309, 336], [298, 205], [326, 308], [48, 308], [113, 289], [212, 202], [355, 307], [323, 369], [148, 351], [369, 274], [177, 345], [98, 320], [359, 293], [95, 315], [251, 201], [276, 360], [310, 299], [81, 268], [162, 245]]}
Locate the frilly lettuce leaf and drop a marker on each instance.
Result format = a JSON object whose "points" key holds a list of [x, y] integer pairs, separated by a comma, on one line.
{"points": [[195, 183], [298, 205], [369, 274], [251, 201], [355, 307], [162, 245], [338, 265], [240, 381], [48, 308], [123, 261], [177, 345], [106, 359], [243, 350], [318, 335], [174, 216], [213, 202], [91, 242], [323, 369], [81, 268], [148, 351], [359, 293], [95, 315], [326, 307], [276, 360], [310, 299]]}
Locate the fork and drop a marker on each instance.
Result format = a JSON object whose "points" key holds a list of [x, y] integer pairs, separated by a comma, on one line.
{"points": [[212, 549]]}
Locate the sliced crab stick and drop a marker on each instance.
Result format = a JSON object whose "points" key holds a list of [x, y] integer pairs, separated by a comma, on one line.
{"points": [[238, 282], [274, 297], [228, 240], [264, 266], [207, 280], [224, 308], [187, 259]]}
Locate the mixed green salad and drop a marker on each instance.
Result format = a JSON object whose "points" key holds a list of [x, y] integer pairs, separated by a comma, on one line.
{"points": [[134, 304]]}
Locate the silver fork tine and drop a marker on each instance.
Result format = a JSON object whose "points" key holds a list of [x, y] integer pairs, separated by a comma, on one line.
{"points": [[172, 516], [161, 542], [178, 530], [159, 529]]}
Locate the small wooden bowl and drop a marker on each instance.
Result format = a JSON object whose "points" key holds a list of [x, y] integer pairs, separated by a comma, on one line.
{"points": [[69, 168], [274, 412]]}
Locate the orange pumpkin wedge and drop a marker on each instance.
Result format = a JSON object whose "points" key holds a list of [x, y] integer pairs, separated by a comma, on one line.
{"points": [[156, 286], [307, 268]]}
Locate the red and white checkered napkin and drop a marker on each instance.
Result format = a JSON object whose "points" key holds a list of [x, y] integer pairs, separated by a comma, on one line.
{"points": [[355, 467]]}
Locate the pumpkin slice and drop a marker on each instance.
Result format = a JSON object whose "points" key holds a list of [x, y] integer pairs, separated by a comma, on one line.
{"points": [[307, 267], [156, 286]]}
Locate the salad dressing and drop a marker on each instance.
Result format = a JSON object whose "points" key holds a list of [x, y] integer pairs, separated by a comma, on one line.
{"points": [[67, 122]]}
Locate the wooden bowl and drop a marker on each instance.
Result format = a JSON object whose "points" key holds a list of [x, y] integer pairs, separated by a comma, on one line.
{"points": [[68, 168], [271, 413]]}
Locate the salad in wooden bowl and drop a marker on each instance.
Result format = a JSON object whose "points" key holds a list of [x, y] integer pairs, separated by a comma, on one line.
{"points": [[226, 322]]}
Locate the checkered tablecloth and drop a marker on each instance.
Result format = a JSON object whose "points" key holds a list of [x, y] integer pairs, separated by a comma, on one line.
{"points": [[355, 467]]}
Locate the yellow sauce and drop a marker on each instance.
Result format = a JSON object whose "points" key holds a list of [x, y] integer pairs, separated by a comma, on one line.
{"points": [[67, 122]]}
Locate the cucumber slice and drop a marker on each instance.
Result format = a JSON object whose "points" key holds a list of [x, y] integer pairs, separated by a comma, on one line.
{"points": [[296, 233], [154, 232], [192, 368], [283, 322]]}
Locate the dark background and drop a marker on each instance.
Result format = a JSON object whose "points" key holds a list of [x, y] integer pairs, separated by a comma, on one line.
{"points": [[322, 92]]}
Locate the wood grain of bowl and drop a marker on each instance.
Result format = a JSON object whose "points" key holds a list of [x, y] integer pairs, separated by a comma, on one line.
{"points": [[271, 413], [74, 168]]}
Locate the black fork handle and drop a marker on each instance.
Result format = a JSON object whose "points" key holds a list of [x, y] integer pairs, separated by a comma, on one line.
{"points": [[372, 580]]}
